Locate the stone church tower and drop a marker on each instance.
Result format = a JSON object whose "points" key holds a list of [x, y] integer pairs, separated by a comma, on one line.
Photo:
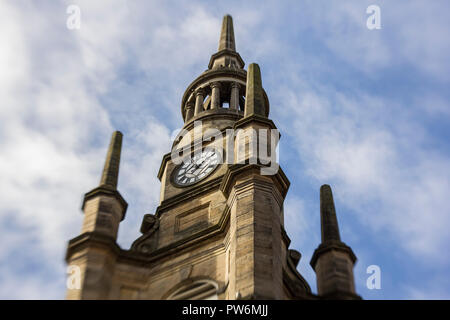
{"points": [[218, 232]]}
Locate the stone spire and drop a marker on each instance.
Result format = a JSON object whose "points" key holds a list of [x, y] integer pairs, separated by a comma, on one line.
{"points": [[95, 250], [226, 56], [333, 260], [227, 34], [110, 176], [328, 219], [110, 173], [254, 100]]}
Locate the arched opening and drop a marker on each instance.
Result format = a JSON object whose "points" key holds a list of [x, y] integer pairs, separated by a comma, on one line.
{"points": [[207, 103], [242, 103]]}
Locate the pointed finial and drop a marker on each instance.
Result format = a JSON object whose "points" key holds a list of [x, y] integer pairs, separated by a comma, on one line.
{"points": [[329, 224], [227, 34], [226, 56], [254, 98], [111, 170]]}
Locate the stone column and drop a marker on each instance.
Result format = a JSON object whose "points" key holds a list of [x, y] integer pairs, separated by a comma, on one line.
{"points": [[234, 99], [199, 96], [189, 111], [215, 95]]}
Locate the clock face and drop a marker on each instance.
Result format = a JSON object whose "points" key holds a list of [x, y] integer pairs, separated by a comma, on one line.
{"points": [[196, 168]]}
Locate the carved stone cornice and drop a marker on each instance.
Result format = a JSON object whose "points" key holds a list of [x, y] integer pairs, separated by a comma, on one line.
{"points": [[281, 181], [105, 190], [226, 52], [255, 118], [89, 239], [330, 246]]}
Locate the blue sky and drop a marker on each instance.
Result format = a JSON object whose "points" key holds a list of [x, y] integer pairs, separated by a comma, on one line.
{"points": [[366, 111]]}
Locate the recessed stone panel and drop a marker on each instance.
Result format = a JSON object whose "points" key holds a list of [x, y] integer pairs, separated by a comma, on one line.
{"points": [[193, 219]]}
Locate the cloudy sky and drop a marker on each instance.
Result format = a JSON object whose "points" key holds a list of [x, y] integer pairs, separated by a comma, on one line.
{"points": [[366, 111]]}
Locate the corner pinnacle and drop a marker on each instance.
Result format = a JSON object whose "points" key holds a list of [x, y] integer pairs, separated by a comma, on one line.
{"points": [[110, 173], [254, 99], [328, 218]]}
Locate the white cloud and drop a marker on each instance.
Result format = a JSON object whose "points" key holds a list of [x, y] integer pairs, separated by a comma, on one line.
{"points": [[54, 135], [55, 130], [302, 226], [412, 34], [391, 182], [141, 159]]}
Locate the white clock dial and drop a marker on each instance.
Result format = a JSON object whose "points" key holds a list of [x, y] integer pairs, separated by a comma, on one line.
{"points": [[196, 168]]}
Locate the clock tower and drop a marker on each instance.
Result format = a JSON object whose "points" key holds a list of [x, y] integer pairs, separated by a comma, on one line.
{"points": [[218, 231]]}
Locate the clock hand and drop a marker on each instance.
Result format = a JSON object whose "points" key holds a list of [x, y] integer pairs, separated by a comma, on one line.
{"points": [[204, 168], [189, 170], [191, 165], [198, 168]]}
